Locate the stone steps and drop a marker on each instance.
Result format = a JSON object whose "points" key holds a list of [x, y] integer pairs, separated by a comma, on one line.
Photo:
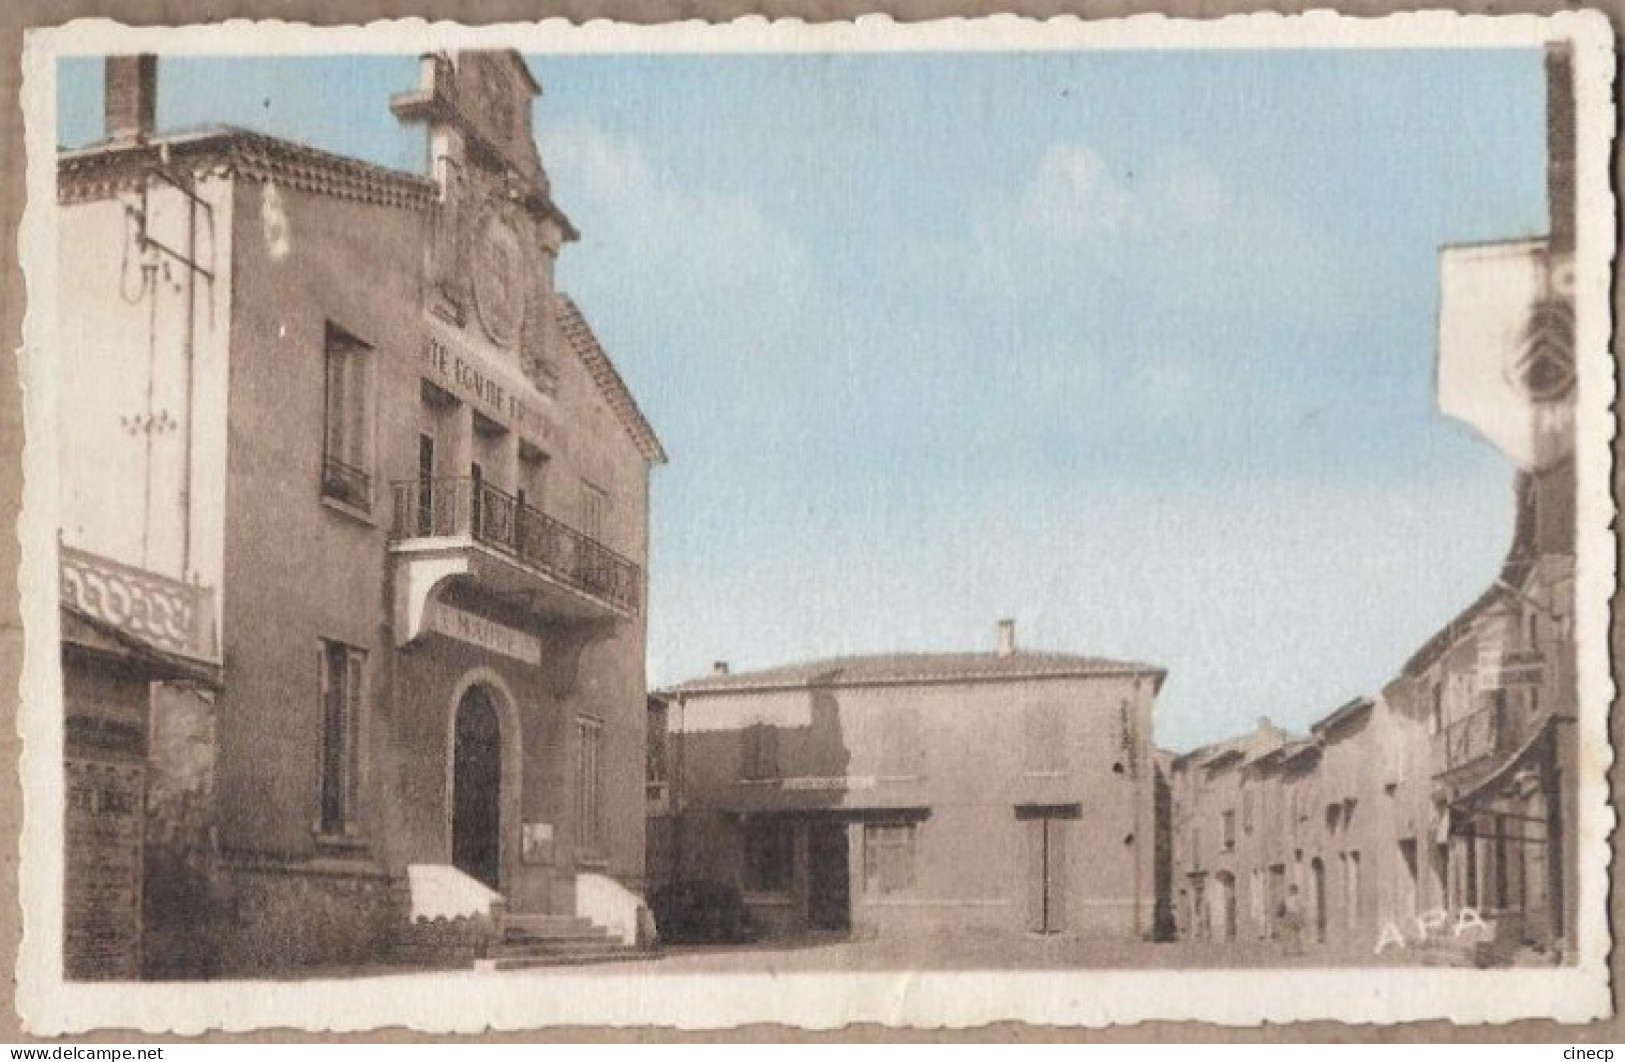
{"points": [[543, 924], [533, 941]]}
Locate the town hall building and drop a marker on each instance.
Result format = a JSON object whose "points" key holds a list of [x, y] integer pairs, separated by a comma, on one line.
{"points": [[354, 527]]}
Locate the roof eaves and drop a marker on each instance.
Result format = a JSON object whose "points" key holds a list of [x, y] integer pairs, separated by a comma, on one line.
{"points": [[602, 369], [110, 167], [1343, 714], [803, 680]]}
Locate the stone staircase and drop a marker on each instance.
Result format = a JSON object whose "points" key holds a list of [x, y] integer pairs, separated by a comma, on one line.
{"points": [[532, 941]]}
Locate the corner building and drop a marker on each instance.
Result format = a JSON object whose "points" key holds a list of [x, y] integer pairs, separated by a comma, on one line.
{"points": [[350, 402]]}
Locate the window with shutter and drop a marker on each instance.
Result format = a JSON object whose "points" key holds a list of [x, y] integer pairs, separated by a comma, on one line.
{"points": [[590, 785], [888, 857], [761, 753], [342, 680], [347, 420]]}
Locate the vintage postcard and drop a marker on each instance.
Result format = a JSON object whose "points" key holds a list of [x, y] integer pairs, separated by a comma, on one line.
{"points": [[693, 525]]}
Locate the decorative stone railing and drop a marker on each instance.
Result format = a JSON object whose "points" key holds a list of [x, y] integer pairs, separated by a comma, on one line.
{"points": [[169, 614]]}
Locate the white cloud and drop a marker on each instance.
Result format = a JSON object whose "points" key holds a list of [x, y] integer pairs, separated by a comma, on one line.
{"points": [[1074, 193], [682, 254], [1171, 221]]}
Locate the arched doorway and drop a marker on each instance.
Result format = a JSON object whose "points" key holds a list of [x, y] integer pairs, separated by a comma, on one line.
{"points": [[476, 810]]}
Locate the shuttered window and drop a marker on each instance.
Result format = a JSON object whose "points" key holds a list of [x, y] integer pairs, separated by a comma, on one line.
{"points": [[590, 785], [342, 669], [347, 427], [888, 858], [760, 753]]}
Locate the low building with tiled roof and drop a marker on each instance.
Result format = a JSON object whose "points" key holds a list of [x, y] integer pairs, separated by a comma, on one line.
{"points": [[1007, 791]]}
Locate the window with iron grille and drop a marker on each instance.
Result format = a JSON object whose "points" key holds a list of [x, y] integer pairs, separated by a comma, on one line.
{"points": [[347, 420], [590, 785], [342, 671]]}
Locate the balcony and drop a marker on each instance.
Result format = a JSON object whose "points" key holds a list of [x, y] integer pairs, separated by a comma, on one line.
{"points": [[1494, 731], [168, 614], [453, 527]]}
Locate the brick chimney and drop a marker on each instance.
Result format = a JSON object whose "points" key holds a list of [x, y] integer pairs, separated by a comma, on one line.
{"points": [[720, 667], [1005, 637], [130, 106]]}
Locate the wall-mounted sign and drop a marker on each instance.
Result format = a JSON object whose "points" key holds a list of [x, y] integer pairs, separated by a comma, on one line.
{"points": [[839, 781], [463, 376], [487, 634]]}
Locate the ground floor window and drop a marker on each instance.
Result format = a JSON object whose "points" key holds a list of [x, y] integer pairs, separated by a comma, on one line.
{"points": [[590, 785], [888, 857], [769, 857], [341, 668]]}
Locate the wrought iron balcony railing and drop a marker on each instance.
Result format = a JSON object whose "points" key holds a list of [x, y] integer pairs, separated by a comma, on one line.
{"points": [[455, 506], [1493, 730], [167, 613]]}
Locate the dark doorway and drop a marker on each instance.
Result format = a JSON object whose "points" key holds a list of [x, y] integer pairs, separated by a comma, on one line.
{"points": [[828, 877], [1317, 873], [1226, 882], [476, 816]]}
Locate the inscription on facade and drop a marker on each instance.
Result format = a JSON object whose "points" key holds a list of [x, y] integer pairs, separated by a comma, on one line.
{"points": [[487, 634], [462, 377]]}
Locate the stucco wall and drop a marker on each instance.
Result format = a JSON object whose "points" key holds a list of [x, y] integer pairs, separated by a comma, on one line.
{"points": [[299, 570], [963, 775]]}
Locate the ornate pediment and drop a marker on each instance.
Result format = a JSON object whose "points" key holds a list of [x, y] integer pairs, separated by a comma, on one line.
{"points": [[497, 229], [486, 97]]}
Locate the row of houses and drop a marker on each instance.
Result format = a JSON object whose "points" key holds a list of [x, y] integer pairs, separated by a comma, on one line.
{"points": [[1443, 807], [1442, 804]]}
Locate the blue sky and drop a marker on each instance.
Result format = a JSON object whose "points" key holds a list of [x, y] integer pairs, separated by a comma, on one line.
{"points": [[1135, 347]]}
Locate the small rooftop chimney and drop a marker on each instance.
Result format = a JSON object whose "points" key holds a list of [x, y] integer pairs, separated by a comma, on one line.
{"points": [[719, 668], [130, 101], [1005, 643]]}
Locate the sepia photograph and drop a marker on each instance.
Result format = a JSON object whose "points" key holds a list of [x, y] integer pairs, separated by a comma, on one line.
{"points": [[923, 524]]}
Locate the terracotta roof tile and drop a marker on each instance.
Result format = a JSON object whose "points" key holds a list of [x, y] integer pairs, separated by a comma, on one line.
{"points": [[110, 167], [907, 668]]}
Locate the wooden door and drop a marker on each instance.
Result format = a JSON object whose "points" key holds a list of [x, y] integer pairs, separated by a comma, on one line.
{"points": [[1046, 874]]}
